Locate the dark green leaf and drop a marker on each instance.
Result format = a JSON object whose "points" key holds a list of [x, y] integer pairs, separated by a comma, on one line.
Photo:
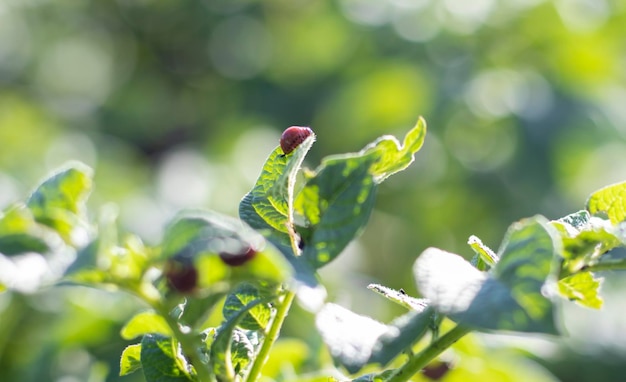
{"points": [[337, 203], [583, 288], [609, 201], [355, 341], [510, 296], [255, 318], [131, 359], [162, 361], [148, 322]]}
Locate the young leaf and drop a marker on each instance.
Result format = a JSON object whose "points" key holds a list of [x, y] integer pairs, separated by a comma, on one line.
{"points": [[59, 202], [510, 296], [582, 288], [148, 322], [131, 359], [162, 361], [20, 233], [255, 318], [610, 200], [394, 157], [337, 203], [484, 253], [356, 340], [399, 297]]}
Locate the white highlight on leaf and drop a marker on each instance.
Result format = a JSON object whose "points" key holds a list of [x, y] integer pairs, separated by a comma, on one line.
{"points": [[347, 334], [450, 282]]}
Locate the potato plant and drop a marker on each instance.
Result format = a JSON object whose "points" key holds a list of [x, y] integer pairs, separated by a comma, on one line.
{"points": [[292, 223]]}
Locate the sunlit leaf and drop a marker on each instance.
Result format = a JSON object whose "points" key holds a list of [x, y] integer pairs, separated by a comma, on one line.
{"points": [[611, 201], [20, 233], [485, 255], [400, 297], [148, 322], [162, 360], [59, 202], [255, 318], [583, 288], [266, 207], [578, 220], [131, 359], [355, 340], [394, 157], [510, 296]]}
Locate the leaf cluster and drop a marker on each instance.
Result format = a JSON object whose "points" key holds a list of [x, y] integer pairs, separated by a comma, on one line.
{"points": [[293, 222]]}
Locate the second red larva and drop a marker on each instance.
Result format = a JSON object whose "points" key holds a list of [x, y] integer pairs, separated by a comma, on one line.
{"points": [[293, 136]]}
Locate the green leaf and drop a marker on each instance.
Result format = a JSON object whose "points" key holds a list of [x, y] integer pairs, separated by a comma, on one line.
{"points": [[20, 233], [256, 318], [400, 297], [610, 201], [241, 351], [162, 360], [582, 288], [578, 220], [337, 203], [268, 206], [143, 323], [394, 157], [209, 239], [486, 258], [131, 359], [355, 340], [587, 246], [509, 297], [221, 358], [59, 202]]}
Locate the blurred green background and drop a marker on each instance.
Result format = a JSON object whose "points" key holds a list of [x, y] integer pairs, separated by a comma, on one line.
{"points": [[176, 104]]}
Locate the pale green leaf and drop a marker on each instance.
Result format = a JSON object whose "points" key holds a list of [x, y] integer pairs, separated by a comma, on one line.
{"points": [[611, 201], [131, 359], [145, 323], [582, 288]]}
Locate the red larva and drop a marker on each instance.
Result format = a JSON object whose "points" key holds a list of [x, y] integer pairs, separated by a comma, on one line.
{"points": [[293, 136], [182, 276], [237, 259]]}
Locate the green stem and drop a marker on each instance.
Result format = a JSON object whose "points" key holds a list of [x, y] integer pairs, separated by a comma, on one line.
{"points": [[191, 349], [418, 361], [606, 266], [271, 336]]}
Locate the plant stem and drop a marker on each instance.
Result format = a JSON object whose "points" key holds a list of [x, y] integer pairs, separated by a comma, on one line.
{"points": [[271, 336], [190, 348], [418, 361]]}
